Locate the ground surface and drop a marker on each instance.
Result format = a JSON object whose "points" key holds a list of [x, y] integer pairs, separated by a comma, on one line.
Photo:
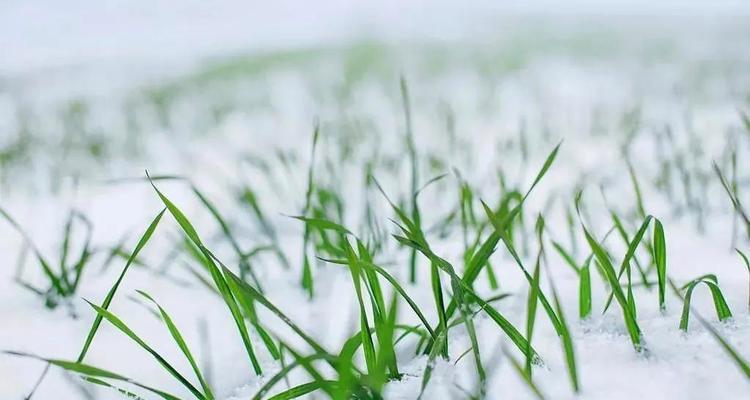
{"points": [[666, 95]]}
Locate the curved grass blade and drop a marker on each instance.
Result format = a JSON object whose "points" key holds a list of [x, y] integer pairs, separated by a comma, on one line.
{"points": [[252, 292], [245, 266], [321, 223], [177, 336], [401, 292], [55, 281], [327, 386], [108, 385], [91, 371], [505, 325], [283, 373], [630, 322], [567, 341], [738, 208], [566, 257], [303, 389], [743, 364], [526, 378], [399, 289], [431, 357], [509, 246], [122, 327], [216, 275], [720, 304], [625, 265], [247, 305], [481, 256]]}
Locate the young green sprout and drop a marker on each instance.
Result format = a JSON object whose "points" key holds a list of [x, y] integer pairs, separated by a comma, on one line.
{"points": [[64, 280]]}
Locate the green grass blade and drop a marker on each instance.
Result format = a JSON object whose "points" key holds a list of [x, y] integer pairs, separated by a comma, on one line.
{"points": [[720, 304], [488, 246], [414, 171], [566, 257], [509, 246], [367, 343], [516, 337], [303, 389], [401, 292], [181, 219], [91, 371], [216, 275], [625, 265], [567, 342], [282, 374], [122, 327], [180, 341], [430, 366], [327, 386], [254, 293], [525, 377], [738, 208], [246, 302], [630, 322], [660, 258], [244, 264], [437, 294], [322, 224], [584, 290], [747, 264], [307, 279], [55, 281], [122, 391], [111, 294], [531, 305], [743, 364]]}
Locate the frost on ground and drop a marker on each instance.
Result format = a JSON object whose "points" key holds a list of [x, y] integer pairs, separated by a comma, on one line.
{"points": [[486, 114]]}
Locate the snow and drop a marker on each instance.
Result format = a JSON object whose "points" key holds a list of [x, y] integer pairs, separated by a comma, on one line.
{"points": [[696, 86]]}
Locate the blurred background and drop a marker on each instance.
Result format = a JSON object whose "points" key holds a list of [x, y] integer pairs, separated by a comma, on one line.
{"points": [[119, 67]]}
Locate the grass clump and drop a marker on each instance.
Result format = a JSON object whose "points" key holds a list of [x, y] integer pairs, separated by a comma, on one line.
{"points": [[710, 280], [63, 280]]}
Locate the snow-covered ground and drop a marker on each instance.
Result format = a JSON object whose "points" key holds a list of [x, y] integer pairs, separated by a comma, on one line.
{"points": [[189, 101]]}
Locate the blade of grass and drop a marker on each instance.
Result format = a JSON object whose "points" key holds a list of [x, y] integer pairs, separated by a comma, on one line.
{"points": [[533, 299], [245, 266], [630, 322], [741, 363], [722, 309], [111, 294], [487, 248], [738, 208], [54, 280], [414, 171], [216, 275], [91, 371], [122, 327], [584, 290], [660, 258], [307, 279], [747, 264], [177, 336]]}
